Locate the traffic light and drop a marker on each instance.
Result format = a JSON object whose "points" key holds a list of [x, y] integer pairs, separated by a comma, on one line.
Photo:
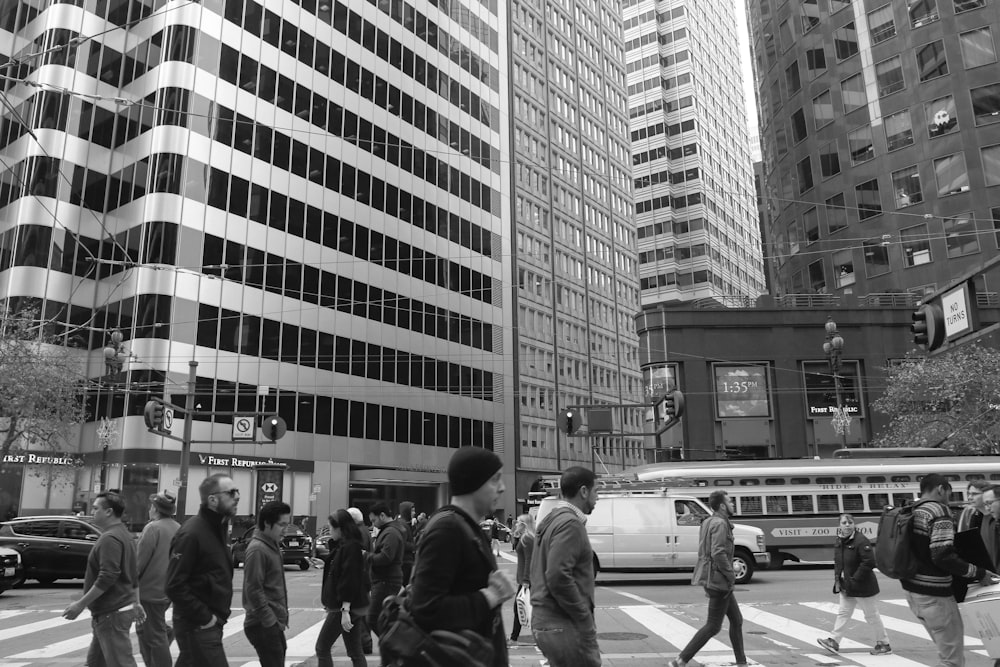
{"points": [[153, 415], [569, 421], [273, 427], [674, 404], [928, 327]]}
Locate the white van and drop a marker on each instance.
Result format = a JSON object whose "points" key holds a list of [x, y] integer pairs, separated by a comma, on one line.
{"points": [[657, 531]]}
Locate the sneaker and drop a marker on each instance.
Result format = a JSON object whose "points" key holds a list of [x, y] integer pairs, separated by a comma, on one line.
{"points": [[830, 644], [881, 648]]}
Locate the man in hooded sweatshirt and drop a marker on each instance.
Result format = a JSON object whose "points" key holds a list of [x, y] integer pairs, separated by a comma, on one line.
{"points": [[562, 576]]}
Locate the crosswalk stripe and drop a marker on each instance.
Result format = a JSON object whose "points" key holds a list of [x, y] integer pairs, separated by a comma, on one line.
{"points": [[39, 626], [303, 644], [233, 626], [11, 613], [911, 628], [59, 648], [803, 632], [675, 632]]}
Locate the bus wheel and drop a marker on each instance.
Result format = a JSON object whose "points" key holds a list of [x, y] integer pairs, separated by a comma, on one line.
{"points": [[777, 562], [743, 566]]}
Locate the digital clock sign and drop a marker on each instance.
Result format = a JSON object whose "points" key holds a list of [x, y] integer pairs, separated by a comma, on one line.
{"points": [[741, 391]]}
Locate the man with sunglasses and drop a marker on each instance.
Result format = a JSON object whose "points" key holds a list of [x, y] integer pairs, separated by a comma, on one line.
{"points": [[200, 575]]}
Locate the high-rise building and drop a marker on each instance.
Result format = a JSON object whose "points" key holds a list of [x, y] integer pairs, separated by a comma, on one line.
{"points": [[693, 182], [307, 198], [880, 129], [575, 255]]}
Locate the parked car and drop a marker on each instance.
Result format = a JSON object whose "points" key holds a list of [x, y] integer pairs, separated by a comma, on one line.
{"points": [[296, 547], [51, 547], [11, 569]]}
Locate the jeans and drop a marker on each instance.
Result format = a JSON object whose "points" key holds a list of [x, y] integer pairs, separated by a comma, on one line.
{"points": [[269, 642], [199, 648], [332, 629], [380, 590], [943, 621], [872, 617], [720, 604], [111, 646], [154, 637], [562, 643]]}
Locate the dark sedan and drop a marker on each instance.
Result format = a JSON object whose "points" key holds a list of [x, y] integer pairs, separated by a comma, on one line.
{"points": [[296, 547], [51, 547]]}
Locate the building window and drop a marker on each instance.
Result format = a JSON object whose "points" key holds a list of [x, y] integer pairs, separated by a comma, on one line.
{"points": [[829, 159], [815, 61], [852, 91], [942, 118], [845, 41], [792, 81], [951, 175], [995, 214], [960, 235], [889, 75], [991, 164], [931, 61], [922, 12], [804, 169], [810, 220], [977, 48], [881, 24], [785, 36], [986, 104], [843, 268], [860, 144], [876, 257], [817, 277], [906, 187], [810, 14], [898, 130], [822, 109], [966, 5], [781, 138], [799, 128], [869, 200], [916, 246], [836, 213]]}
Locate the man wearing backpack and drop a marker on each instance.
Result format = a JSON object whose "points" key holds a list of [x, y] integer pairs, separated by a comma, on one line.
{"points": [[929, 591], [385, 560], [405, 522]]}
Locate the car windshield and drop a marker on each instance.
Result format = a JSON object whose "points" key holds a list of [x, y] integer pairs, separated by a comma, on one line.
{"points": [[292, 529]]}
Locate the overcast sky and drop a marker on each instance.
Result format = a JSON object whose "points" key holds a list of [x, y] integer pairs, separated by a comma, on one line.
{"points": [[747, 67]]}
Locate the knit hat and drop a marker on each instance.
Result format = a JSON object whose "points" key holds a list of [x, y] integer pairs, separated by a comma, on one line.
{"points": [[356, 514], [470, 468], [165, 503]]}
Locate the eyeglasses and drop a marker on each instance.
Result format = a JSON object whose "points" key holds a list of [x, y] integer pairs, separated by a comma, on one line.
{"points": [[232, 493]]}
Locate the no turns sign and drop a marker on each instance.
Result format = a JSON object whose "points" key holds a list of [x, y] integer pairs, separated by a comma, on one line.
{"points": [[244, 427]]}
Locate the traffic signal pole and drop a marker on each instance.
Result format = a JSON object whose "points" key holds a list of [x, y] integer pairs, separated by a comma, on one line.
{"points": [[186, 440]]}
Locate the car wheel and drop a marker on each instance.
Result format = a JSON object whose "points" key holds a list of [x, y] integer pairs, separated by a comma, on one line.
{"points": [[743, 565], [304, 564]]}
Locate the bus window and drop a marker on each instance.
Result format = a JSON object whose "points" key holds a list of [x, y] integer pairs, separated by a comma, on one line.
{"points": [[956, 497], [875, 479], [826, 480], [900, 499], [876, 501], [753, 481], [974, 476], [750, 505], [953, 478], [802, 504], [775, 481], [800, 480], [777, 504], [994, 476], [850, 479], [724, 482], [900, 478], [854, 502], [828, 503]]}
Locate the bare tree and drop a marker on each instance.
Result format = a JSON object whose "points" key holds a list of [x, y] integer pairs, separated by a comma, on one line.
{"points": [[41, 386], [946, 401]]}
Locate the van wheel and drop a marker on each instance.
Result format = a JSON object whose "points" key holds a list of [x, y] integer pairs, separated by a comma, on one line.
{"points": [[304, 564], [743, 566]]}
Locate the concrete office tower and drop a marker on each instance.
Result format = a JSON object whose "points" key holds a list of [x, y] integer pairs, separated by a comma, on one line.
{"points": [[880, 127], [309, 199], [693, 181], [575, 253]]}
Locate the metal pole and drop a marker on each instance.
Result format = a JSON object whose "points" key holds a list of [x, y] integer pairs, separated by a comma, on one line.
{"points": [[840, 407], [186, 442]]}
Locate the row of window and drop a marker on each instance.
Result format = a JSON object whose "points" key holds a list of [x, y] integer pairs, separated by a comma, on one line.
{"points": [[232, 331], [686, 279], [660, 128], [666, 83], [667, 176], [278, 275], [663, 151], [677, 227]]}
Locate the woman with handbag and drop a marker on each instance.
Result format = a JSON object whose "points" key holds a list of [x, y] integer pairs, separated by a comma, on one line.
{"points": [[855, 583], [524, 534], [345, 592]]}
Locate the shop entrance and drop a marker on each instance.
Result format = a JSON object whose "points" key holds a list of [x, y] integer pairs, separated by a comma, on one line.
{"points": [[364, 495]]}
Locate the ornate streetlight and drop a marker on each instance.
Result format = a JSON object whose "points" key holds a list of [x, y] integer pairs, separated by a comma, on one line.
{"points": [[114, 360], [834, 349]]}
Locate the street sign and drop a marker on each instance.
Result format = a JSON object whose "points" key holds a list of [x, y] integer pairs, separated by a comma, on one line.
{"points": [[97, 487], [317, 489], [168, 418], [244, 427], [177, 483]]}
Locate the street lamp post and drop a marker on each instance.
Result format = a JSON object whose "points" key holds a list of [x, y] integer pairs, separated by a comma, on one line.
{"points": [[834, 348], [114, 361]]}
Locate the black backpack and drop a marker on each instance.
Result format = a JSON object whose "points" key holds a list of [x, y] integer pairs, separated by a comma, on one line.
{"points": [[894, 545]]}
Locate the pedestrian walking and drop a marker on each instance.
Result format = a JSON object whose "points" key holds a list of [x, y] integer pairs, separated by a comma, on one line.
{"points": [[405, 522], [456, 584], [714, 571], [972, 514], [990, 528], [524, 541], [345, 592], [385, 560], [366, 546], [929, 594], [200, 575], [153, 555], [562, 576], [854, 581], [110, 586], [265, 596]]}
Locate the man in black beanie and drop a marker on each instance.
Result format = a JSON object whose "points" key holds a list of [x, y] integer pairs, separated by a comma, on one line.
{"points": [[456, 585]]}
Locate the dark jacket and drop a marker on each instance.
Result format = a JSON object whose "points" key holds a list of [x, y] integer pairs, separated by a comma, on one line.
{"points": [[111, 566], [562, 569], [991, 538], [345, 577], [453, 563], [853, 562], [200, 572], [265, 596], [716, 545], [933, 544], [387, 553]]}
